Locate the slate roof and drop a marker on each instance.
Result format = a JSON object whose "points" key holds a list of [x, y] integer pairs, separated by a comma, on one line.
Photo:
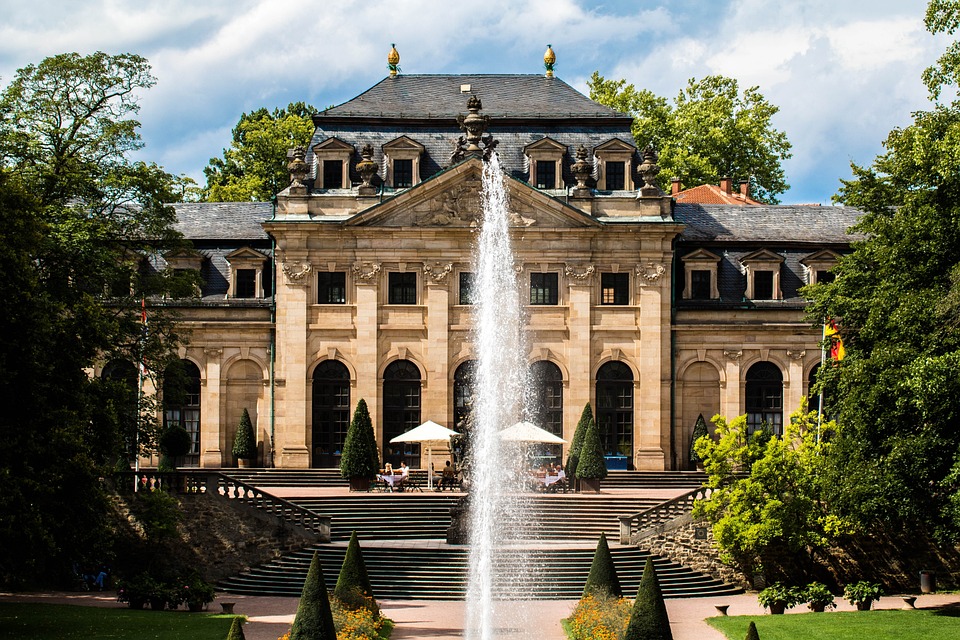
{"points": [[786, 224], [222, 220], [440, 96]]}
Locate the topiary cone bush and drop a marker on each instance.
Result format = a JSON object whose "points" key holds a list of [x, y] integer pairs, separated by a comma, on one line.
{"points": [[699, 430], [360, 459], [245, 444], [648, 619], [752, 632], [236, 630], [591, 466], [573, 457], [353, 578], [174, 443], [603, 572], [314, 619]]}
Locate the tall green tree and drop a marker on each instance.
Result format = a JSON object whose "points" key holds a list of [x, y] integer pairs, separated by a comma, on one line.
{"points": [[896, 298], [255, 165], [711, 130], [360, 458], [78, 215]]}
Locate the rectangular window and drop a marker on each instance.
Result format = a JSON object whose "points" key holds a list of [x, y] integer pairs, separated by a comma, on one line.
{"points": [[402, 173], [544, 288], [700, 284], [332, 174], [616, 178], [546, 175], [824, 277], [402, 288], [763, 285], [466, 288], [246, 285], [614, 288], [332, 287]]}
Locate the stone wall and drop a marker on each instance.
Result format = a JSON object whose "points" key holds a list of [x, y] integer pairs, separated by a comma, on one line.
{"points": [[690, 543]]}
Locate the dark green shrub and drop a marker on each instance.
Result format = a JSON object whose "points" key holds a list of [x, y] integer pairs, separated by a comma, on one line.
{"points": [[699, 430], [360, 458], [353, 584], [245, 444], [648, 619], [236, 630], [779, 594], [603, 573], [314, 619], [862, 594], [591, 465], [752, 632], [576, 445], [174, 442]]}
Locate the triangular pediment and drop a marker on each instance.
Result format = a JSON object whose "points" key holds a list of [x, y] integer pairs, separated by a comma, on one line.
{"points": [[615, 145], [545, 144], [244, 254], [452, 199], [332, 144], [824, 256], [762, 255], [701, 255], [403, 143]]}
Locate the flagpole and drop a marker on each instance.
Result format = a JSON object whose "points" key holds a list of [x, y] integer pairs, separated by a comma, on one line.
{"points": [[823, 359], [136, 450]]}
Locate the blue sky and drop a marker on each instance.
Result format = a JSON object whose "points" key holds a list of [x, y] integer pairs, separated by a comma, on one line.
{"points": [[844, 73]]}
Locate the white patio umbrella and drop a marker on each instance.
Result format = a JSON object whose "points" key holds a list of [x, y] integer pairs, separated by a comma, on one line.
{"points": [[429, 434], [529, 432]]}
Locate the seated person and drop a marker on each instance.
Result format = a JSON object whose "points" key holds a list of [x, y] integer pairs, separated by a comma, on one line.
{"points": [[404, 475], [449, 478], [387, 474]]}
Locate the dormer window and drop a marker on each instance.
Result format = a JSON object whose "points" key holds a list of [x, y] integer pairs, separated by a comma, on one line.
{"points": [[762, 269], [333, 164], [818, 266], [246, 273], [544, 157], [402, 157], [615, 165], [700, 275], [182, 262]]}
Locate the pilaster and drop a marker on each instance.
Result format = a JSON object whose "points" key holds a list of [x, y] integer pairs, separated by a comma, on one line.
{"points": [[652, 393], [292, 303], [730, 392], [210, 453], [579, 348], [436, 277], [366, 278]]}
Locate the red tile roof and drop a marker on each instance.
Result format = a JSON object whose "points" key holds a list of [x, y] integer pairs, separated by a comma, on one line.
{"points": [[712, 194]]}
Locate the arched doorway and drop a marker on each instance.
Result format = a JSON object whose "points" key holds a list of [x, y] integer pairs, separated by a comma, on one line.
{"points": [[764, 398], [546, 406], [331, 412], [401, 411], [615, 410], [181, 404]]}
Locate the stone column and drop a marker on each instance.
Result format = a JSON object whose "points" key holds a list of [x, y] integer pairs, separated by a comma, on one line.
{"points": [[291, 416], [651, 427], [730, 391], [793, 385], [580, 357], [210, 449], [435, 399], [366, 279]]}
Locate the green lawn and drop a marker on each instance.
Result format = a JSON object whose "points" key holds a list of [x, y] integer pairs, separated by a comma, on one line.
{"points": [[847, 625], [68, 622]]}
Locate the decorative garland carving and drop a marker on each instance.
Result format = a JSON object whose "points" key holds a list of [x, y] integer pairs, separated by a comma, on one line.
{"points": [[438, 272], [364, 274], [296, 271], [796, 354], [575, 272], [650, 272], [730, 354]]}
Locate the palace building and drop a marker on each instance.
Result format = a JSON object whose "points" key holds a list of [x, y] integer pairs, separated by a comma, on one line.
{"points": [[357, 282]]}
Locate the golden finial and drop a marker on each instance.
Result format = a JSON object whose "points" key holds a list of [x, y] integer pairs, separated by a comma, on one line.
{"points": [[549, 59], [393, 61]]}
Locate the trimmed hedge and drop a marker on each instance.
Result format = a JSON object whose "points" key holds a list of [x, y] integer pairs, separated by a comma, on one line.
{"points": [[360, 458], [603, 572], [314, 619]]}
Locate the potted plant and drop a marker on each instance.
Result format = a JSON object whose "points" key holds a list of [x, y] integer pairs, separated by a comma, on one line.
{"points": [[818, 597], [360, 461], [245, 444], [196, 592], [778, 598], [135, 591], [862, 594], [591, 468]]}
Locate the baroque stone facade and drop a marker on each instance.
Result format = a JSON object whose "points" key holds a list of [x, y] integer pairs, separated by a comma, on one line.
{"points": [[357, 284]]}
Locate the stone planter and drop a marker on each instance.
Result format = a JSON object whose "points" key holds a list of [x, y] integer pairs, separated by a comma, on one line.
{"points": [[359, 484], [244, 463], [590, 485], [777, 608], [817, 607], [195, 606]]}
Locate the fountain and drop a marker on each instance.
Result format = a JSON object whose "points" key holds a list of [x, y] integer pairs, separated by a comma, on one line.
{"points": [[498, 567]]}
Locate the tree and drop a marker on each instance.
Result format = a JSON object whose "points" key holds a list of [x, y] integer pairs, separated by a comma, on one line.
{"points": [[245, 444], [896, 299], [711, 130], [699, 431], [314, 618], [255, 165], [236, 630], [648, 619], [353, 580], [752, 632], [592, 465], [360, 458], [603, 572], [78, 215], [576, 445]]}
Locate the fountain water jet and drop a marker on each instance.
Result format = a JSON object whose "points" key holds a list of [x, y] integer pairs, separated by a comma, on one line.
{"points": [[496, 506]]}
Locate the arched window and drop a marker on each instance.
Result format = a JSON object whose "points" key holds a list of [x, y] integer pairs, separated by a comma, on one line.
{"points": [[463, 381], [764, 393], [181, 403], [615, 409], [546, 404], [813, 395], [121, 378], [401, 411], [331, 412]]}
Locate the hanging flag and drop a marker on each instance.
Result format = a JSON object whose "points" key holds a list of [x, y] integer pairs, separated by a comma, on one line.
{"points": [[831, 333]]}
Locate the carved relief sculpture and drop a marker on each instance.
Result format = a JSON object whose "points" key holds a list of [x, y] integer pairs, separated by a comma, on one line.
{"points": [[296, 271], [650, 272], [366, 271], [438, 272], [578, 273]]}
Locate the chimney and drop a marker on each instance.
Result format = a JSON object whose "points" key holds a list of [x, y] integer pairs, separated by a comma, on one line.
{"points": [[674, 186], [726, 184], [745, 188]]}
